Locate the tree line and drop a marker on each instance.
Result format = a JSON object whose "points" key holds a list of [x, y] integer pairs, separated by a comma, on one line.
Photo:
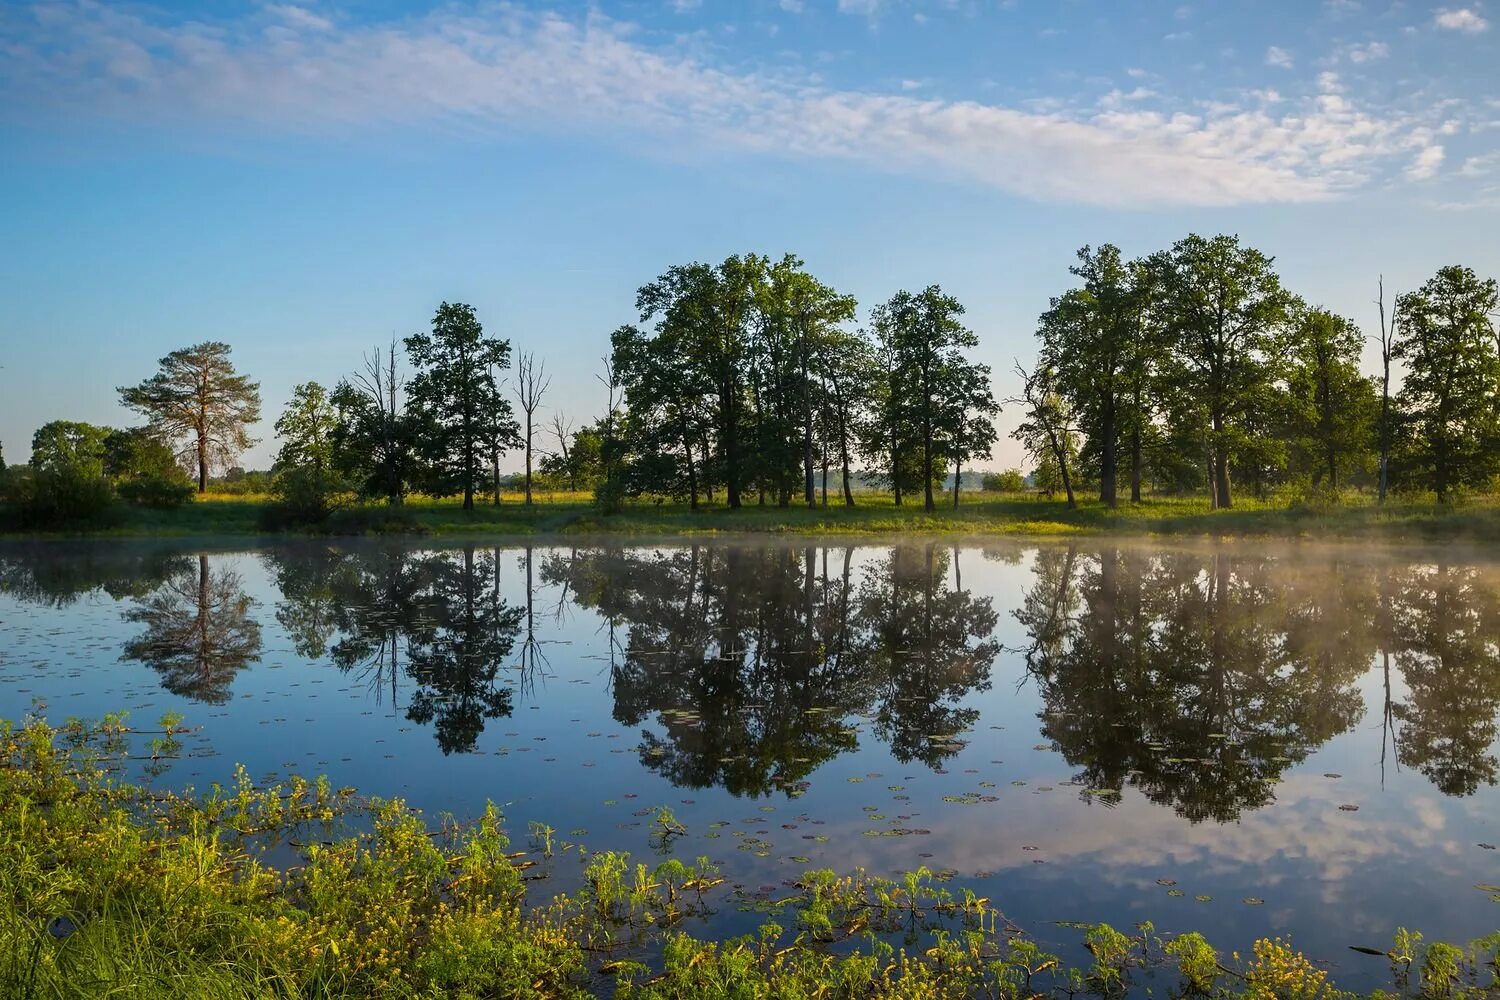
{"points": [[1194, 367], [751, 380]]}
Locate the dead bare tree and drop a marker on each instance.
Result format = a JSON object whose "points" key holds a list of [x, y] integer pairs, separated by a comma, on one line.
{"points": [[562, 428], [380, 385], [1387, 343], [531, 385], [1046, 423]]}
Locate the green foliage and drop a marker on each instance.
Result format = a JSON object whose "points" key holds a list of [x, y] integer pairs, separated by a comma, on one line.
{"points": [[463, 423], [1197, 961], [68, 446], [52, 499], [306, 429], [144, 470], [122, 890], [1007, 481], [1451, 390]]}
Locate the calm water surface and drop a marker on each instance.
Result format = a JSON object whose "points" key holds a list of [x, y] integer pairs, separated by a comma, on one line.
{"points": [[1236, 739]]}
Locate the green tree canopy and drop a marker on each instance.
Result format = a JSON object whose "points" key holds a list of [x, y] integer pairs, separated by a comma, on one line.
{"points": [[464, 417]]}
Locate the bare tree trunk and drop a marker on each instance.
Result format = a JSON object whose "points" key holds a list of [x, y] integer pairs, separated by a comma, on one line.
{"points": [[531, 385]]}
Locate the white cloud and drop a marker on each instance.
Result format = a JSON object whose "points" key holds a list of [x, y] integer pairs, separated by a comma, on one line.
{"points": [[685, 6], [1278, 57], [499, 69], [793, 6], [1368, 52], [1464, 19], [299, 17], [1426, 163], [1481, 166]]}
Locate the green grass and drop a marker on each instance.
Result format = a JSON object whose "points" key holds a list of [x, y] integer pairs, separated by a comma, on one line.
{"points": [[113, 890], [1354, 516]]}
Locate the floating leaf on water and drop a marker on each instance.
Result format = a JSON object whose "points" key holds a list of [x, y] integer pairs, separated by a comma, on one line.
{"points": [[1487, 887], [1488, 847], [1332, 774], [1348, 808], [1203, 899], [1166, 881], [1175, 892], [1367, 951], [1254, 900]]}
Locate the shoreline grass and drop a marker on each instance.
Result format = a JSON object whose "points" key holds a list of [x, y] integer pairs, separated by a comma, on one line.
{"points": [[124, 890], [1354, 517]]}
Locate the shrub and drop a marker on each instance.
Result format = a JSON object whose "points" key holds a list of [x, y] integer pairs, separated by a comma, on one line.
{"points": [[156, 490], [56, 499], [1009, 481], [305, 497]]}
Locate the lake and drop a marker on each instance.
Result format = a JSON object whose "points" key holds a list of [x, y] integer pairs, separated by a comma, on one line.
{"points": [[1244, 739]]}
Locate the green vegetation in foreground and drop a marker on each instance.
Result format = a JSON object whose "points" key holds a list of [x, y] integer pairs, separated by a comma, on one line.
{"points": [[117, 890], [1353, 516]]}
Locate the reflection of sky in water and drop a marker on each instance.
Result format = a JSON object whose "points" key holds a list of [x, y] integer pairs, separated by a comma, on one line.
{"points": [[1043, 850]]}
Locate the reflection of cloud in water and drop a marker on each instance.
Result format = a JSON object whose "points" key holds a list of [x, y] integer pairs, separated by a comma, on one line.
{"points": [[1303, 838]]}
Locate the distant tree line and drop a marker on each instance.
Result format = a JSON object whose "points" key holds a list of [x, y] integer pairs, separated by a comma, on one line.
{"points": [[750, 381]]}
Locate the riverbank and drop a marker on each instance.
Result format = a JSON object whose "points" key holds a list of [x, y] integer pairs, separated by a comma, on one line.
{"points": [[297, 889], [1354, 517]]}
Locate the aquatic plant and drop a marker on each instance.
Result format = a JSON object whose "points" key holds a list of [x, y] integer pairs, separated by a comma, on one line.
{"points": [[115, 889]]}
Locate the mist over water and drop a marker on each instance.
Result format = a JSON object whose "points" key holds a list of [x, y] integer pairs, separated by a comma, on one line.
{"points": [[1238, 739]]}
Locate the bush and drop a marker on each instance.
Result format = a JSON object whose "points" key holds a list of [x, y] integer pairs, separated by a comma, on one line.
{"points": [[56, 499], [156, 490], [305, 497], [1009, 481]]}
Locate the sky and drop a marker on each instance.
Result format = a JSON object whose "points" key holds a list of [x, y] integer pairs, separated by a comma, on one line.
{"points": [[307, 180]]}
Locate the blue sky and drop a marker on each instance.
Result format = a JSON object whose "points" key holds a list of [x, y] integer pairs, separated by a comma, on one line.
{"points": [[305, 180]]}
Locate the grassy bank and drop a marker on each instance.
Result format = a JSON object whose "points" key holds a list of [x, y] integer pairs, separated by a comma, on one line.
{"points": [[116, 890], [1354, 517]]}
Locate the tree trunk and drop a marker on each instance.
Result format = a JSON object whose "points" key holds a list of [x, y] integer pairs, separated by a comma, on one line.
{"points": [[731, 448], [692, 475], [1108, 457], [1135, 465], [1221, 464], [807, 430], [202, 462], [528, 458], [825, 476], [896, 468], [838, 402], [1060, 453], [958, 474], [927, 501]]}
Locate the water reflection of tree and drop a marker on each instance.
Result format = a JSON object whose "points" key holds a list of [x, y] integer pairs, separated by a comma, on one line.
{"points": [[457, 663], [199, 633], [925, 647], [58, 573], [386, 613], [1196, 678], [1447, 623], [753, 658]]}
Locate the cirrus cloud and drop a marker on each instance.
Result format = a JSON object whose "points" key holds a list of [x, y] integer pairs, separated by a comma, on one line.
{"points": [[285, 68]]}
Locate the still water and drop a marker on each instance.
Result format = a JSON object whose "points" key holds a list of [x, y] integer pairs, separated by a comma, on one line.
{"points": [[1237, 739]]}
